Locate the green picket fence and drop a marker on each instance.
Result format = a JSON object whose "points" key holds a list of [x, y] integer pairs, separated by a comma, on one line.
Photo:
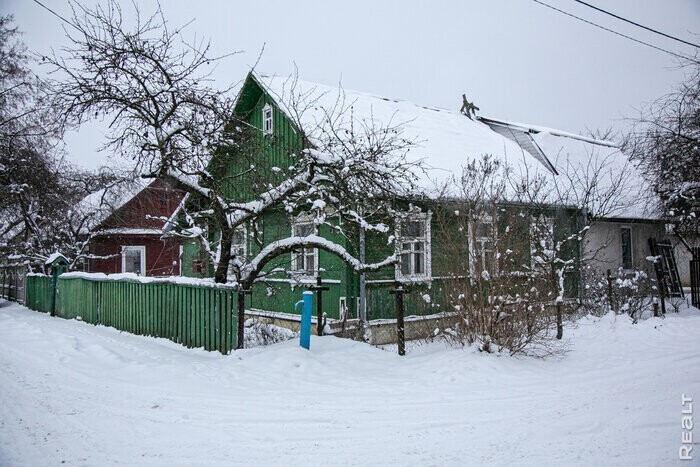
{"points": [[38, 293], [193, 316]]}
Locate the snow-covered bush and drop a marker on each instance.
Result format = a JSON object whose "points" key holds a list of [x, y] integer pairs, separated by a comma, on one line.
{"points": [[511, 237], [259, 333], [506, 273], [623, 292]]}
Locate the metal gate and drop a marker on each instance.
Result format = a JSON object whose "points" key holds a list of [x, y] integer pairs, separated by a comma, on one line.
{"points": [[12, 280]]}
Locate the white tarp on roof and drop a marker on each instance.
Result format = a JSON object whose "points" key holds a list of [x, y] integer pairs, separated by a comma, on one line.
{"points": [[446, 140]]}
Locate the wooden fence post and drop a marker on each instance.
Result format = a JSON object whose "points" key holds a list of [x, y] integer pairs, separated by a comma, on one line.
{"points": [[400, 335], [240, 328], [318, 288], [54, 284], [610, 293]]}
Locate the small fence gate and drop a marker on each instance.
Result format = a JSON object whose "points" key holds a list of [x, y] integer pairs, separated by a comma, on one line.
{"points": [[12, 282], [695, 277]]}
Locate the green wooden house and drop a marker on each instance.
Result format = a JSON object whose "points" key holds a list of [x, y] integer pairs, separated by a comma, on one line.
{"points": [[285, 110]]}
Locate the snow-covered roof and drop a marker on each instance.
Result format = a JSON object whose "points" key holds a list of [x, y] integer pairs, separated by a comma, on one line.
{"points": [[446, 140], [579, 162], [128, 231], [97, 206], [55, 256]]}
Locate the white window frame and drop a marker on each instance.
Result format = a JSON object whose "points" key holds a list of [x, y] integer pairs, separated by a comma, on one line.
{"points": [[412, 276], [181, 250], [303, 251], [240, 249], [548, 222], [481, 259], [268, 125], [622, 250], [241, 246], [139, 248]]}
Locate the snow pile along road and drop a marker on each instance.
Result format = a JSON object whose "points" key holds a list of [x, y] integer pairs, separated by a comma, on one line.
{"points": [[90, 395]]}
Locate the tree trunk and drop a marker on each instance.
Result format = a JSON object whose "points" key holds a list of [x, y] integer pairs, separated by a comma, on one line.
{"points": [[560, 327], [221, 274]]}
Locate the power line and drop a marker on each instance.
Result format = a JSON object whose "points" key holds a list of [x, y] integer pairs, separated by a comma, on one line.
{"points": [[617, 33], [54, 13], [637, 24]]}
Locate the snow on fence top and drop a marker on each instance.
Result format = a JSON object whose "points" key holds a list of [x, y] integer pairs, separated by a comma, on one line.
{"points": [[131, 277], [445, 141]]}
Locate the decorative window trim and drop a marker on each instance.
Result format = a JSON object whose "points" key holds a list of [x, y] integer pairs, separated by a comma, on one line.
{"points": [[631, 247], [484, 219], [426, 275], [301, 274], [242, 247], [237, 247], [180, 251], [139, 248], [268, 125]]}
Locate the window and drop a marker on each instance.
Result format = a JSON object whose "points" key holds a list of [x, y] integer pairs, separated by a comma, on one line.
{"points": [[541, 240], [304, 259], [179, 260], [413, 245], [626, 238], [134, 259], [267, 119], [238, 244], [238, 248], [482, 244]]}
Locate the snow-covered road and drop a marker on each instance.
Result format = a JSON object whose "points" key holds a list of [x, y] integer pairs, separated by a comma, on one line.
{"points": [[91, 395]]}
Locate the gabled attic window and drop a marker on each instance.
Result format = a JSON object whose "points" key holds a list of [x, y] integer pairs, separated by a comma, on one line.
{"points": [[267, 119]]}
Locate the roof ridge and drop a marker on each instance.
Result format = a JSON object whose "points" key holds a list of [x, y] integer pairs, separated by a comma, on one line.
{"points": [[262, 76]]}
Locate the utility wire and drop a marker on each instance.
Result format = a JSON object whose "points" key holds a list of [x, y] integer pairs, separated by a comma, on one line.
{"points": [[637, 24], [618, 33], [54, 13]]}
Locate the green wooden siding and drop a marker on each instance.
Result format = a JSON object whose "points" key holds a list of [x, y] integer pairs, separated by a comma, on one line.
{"points": [[262, 150], [190, 253], [189, 315]]}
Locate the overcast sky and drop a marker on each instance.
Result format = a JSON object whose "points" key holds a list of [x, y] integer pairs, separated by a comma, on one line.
{"points": [[516, 59]]}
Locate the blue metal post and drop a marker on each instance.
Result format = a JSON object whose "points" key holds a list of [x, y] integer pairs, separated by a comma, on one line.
{"points": [[305, 331]]}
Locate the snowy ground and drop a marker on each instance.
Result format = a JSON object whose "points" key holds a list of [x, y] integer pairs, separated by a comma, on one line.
{"points": [[90, 395]]}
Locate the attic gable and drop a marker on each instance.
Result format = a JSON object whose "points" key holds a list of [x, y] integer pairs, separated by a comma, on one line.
{"points": [[145, 208]]}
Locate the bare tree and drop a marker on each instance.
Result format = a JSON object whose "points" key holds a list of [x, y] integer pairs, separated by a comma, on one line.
{"points": [[495, 285], [154, 86], [165, 114], [35, 191], [665, 139], [524, 231]]}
